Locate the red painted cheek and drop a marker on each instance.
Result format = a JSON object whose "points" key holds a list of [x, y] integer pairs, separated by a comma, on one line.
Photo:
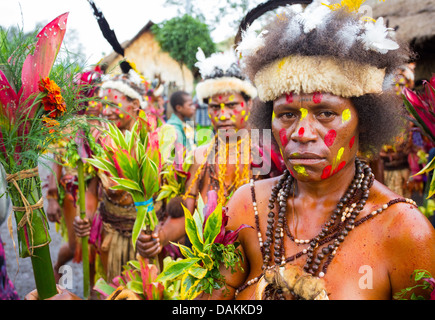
{"points": [[326, 172], [289, 97], [283, 137], [330, 137], [301, 132], [340, 166], [351, 143], [236, 112], [242, 104], [317, 97], [118, 123]]}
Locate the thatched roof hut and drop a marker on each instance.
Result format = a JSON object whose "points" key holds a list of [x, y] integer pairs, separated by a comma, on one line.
{"points": [[144, 51], [415, 22]]}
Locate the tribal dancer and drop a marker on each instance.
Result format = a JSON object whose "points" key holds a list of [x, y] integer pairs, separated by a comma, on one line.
{"points": [[225, 163], [113, 213], [325, 229]]}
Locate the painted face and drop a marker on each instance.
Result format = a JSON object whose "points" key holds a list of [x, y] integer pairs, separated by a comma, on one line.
{"points": [[118, 108], [317, 134], [228, 111]]}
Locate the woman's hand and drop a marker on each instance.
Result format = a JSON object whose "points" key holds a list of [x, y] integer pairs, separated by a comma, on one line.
{"points": [[82, 227], [62, 294], [54, 212], [149, 246]]}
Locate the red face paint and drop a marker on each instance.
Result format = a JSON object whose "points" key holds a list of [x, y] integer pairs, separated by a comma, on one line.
{"points": [[289, 97], [242, 104], [236, 112], [283, 137], [352, 141], [301, 132], [340, 166], [220, 97], [326, 172], [116, 97], [330, 137], [317, 97]]}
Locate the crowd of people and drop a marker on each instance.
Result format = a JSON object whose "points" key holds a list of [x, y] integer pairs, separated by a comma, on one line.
{"points": [[333, 188]]}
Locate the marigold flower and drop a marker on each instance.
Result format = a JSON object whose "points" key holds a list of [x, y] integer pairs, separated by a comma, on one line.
{"points": [[53, 101], [50, 123]]}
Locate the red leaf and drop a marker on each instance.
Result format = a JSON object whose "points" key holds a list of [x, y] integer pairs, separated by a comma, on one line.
{"points": [[8, 98], [38, 65], [231, 236]]}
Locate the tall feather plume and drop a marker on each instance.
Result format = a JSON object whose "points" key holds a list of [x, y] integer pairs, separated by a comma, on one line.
{"points": [[261, 9], [110, 35]]}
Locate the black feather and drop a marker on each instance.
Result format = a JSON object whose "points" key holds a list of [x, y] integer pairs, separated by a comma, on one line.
{"points": [[108, 33], [261, 9]]}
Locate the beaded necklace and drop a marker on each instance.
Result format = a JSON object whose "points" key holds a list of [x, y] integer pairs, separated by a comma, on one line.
{"points": [[348, 208]]}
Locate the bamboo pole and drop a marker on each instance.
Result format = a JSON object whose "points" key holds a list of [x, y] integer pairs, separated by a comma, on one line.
{"points": [[85, 247]]}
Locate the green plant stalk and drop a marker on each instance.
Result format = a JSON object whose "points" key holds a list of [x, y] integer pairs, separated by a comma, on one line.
{"points": [[144, 221], [85, 247], [34, 235]]}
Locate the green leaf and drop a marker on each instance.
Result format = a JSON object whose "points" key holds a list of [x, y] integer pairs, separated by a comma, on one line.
{"points": [[427, 168], [213, 225], [185, 251], [135, 286], [102, 287], [191, 230], [176, 269], [188, 287], [127, 183], [197, 272]]}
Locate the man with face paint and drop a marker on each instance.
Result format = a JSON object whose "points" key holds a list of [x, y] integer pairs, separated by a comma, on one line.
{"points": [[222, 165], [112, 213], [325, 229]]}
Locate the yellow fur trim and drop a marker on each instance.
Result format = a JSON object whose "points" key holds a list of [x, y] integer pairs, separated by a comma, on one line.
{"points": [[210, 87], [309, 74]]}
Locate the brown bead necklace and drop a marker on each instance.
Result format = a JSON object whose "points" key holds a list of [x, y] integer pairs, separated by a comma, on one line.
{"points": [[332, 232]]}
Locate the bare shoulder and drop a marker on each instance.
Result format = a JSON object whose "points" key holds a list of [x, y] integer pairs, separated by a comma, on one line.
{"points": [[240, 206], [406, 236], [402, 221]]}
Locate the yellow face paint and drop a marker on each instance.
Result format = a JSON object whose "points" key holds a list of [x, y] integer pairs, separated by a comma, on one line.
{"points": [[246, 118], [209, 115], [231, 98], [340, 154], [222, 118], [301, 170], [243, 112], [120, 105], [346, 116], [216, 119], [105, 97], [121, 115], [304, 113], [273, 116], [209, 100], [233, 118]]}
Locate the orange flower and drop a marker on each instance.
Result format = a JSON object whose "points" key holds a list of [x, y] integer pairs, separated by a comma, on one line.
{"points": [[50, 123], [53, 101]]}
